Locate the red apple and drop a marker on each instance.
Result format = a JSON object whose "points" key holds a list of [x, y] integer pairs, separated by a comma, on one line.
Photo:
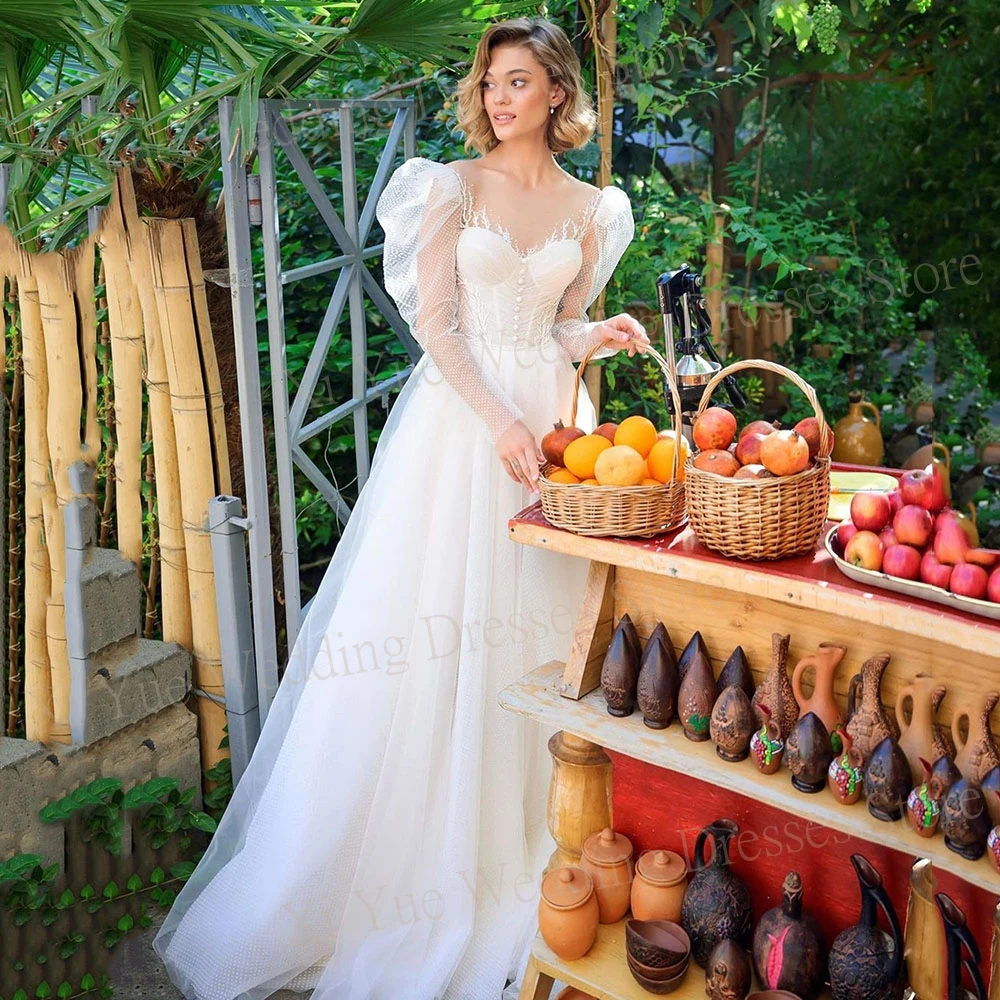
{"points": [[784, 453], [714, 429], [993, 586], [759, 427], [968, 580], [902, 561], [870, 511], [865, 550], [748, 449], [895, 500], [888, 537], [934, 572], [951, 543], [967, 524], [845, 532], [924, 487], [982, 557], [913, 525]]}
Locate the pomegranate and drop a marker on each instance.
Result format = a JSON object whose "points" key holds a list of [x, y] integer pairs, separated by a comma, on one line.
{"points": [[748, 449], [784, 453], [759, 427], [714, 429], [753, 472], [809, 429], [554, 443], [722, 463], [607, 430]]}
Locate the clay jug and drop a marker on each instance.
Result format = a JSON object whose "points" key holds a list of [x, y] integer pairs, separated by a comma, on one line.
{"points": [[924, 946], [767, 747], [864, 960], [824, 661], [732, 724], [717, 903], [736, 671], [978, 754], [728, 973], [959, 941], [696, 697], [868, 723], [995, 956], [923, 804], [788, 950], [658, 887], [568, 912], [808, 754], [607, 859], [659, 682], [695, 647], [846, 775], [856, 440], [620, 671], [917, 737], [775, 690]]}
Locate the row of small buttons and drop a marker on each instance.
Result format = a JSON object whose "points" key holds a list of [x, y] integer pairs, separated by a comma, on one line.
{"points": [[517, 303]]}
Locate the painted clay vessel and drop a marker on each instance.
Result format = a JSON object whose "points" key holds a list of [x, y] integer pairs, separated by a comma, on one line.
{"points": [[993, 848], [659, 681], [607, 858], [824, 662], [775, 690], [620, 671], [728, 974], [808, 753], [924, 947], [766, 747], [732, 724], [696, 698], [659, 885], [568, 913], [962, 951], [868, 723], [717, 903], [695, 647], [991, 789], [978, 754], [788, 950], [965, 820], [917, 737], [887, 781], [923, 804], [865, 963], [846, 774], [736, 671]]}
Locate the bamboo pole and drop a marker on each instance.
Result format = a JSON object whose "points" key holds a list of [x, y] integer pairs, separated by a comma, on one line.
{"points": [[714, 280], [169, 249]]}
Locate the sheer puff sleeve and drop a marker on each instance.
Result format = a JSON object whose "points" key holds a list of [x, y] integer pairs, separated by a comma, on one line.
{"points": [[420, 211], [605, 241]]}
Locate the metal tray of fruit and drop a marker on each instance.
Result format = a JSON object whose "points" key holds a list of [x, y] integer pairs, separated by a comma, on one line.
{"points": [[911, 588]]}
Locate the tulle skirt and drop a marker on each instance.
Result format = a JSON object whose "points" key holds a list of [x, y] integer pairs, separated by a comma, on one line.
{"points": [[389, 834]]}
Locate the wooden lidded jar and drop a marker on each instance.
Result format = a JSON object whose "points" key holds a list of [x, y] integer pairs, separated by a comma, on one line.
{"points": [[568, 912], [607, 858], [659, 886]]}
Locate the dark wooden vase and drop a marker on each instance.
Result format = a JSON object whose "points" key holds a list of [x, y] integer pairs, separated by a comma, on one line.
{"points": [[887, 781], [695, 647], [808, 753], [659, 681], [959, 940], [697, 695], [732, 724], [717, 903], [736, 671], [620, 671], [965, 820], [866, 963]]}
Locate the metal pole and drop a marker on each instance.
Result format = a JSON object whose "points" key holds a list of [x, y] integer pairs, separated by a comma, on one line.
{"points": [[232, 595], [251, 411]]}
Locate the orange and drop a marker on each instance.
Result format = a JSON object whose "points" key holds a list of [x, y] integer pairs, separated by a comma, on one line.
{"points": [[621, 465], [562, 476], [589, 482], [650, 482], [637, 432], [661, 459], [581, 454]]}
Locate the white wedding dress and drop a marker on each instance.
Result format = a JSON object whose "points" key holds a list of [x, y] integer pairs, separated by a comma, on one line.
{"points": [[387, 840]]}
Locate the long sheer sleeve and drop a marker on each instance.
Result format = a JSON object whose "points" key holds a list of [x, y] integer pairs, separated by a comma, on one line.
{"points": [[606, 240], [420, 210]]}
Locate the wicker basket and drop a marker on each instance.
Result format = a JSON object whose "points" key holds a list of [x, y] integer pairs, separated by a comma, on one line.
{"points": [[761, 518], [637, 511]]}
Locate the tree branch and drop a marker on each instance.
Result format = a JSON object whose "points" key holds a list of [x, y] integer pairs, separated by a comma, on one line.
{"points": [[751, 145]]}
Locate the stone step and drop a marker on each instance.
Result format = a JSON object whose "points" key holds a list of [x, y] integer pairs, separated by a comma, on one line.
{"points": [[112, 597]]}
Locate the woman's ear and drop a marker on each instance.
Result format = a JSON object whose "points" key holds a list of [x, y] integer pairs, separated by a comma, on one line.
{"points": [[557, 97]]}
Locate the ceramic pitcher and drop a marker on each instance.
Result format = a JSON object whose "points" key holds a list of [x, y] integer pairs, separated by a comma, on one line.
{"points": [[868, 723], [978, 754], [824, 661], [917, 737], [857, 440]]}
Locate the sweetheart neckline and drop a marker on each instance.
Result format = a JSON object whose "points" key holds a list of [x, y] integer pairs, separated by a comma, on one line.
{"points": [[508, 243]]}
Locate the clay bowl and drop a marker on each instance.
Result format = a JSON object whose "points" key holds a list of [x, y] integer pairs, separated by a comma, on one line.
{"points": [[658, 944], [659, 986], [649, 974]]}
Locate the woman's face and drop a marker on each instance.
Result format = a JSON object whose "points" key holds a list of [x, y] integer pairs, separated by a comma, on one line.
{"points": [[517, 92]]}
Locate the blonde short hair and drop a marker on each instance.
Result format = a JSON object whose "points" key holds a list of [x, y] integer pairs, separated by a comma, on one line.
{"points": [[574, 120]]}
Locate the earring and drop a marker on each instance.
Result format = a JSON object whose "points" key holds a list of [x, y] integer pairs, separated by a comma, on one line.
{"points": [[552, 110]]}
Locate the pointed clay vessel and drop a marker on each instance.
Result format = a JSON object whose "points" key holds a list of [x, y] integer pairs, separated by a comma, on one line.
{"points": [[965, 820], [868, 723], [728, 973], [808, 753], [775, 690], [887, 781], [736, 671], [824, 662], [977, 755], [695, 647], [697, 696], [732, 724], [947, 774], [659, 682], [620, 671], [918, 737]]}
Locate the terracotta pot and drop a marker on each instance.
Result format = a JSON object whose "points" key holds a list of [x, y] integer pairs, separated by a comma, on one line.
{"points": [[822, 702], [846, 775], [868, 723], [808, 754], [607, 858], [977, 755], [766, 746], [887, 781], [924, 945], [659, 885], [775, 690], [965, 821], [568, 913], [918, 736], [620, 671], [923, 804], [736, 671], [659, 681], [856, 440], [728, 974], [732, 724], [697, 696]]}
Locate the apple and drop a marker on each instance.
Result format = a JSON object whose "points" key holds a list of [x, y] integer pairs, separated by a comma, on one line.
{"points": [[865, 550], [951, 543], [784, 453], [936, 573], [753, 472], [913, 525], [924, 487], [902, 561], [714, 429], [845, 532], [870, 511], [967, 524], [759, 427], [993, 586], [968, 580], [982, 557], [895, 500], [888, 537]]}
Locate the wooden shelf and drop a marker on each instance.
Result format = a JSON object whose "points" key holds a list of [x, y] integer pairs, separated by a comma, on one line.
{"points": [[535, 696]]}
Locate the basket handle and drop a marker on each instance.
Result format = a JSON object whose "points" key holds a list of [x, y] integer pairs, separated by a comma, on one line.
{"points": [[675, 422], [807, 390]]}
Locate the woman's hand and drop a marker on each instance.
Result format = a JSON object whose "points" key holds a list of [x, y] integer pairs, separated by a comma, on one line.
{"points": [[624, 330], [520, 455]]}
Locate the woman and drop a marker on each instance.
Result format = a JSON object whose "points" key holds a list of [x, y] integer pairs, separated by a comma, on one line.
{"points": [[388, 836]]}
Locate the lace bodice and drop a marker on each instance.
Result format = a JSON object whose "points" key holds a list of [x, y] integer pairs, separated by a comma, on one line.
{"points": [[469, 292]]}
